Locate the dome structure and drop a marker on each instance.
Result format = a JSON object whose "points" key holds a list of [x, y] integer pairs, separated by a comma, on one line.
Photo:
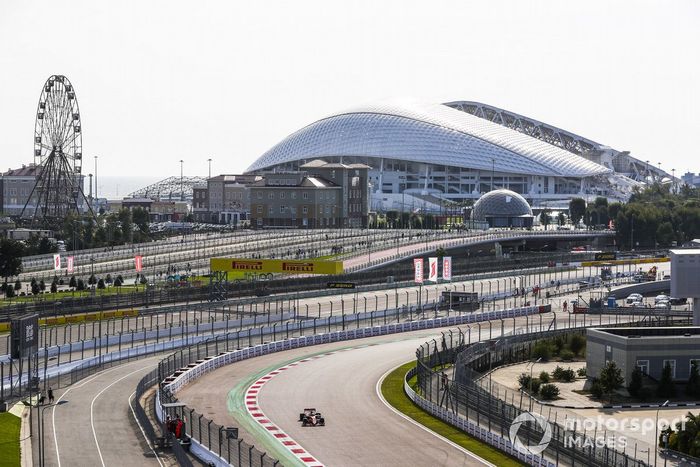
{"points": [[503, 208]]}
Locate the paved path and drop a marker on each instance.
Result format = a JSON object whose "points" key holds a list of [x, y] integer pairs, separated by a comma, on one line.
{"points": [[91, 423]]}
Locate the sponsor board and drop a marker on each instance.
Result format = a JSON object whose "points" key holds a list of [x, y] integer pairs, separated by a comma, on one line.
{"points": [[280, 266], [340, 285], [418, 270]]}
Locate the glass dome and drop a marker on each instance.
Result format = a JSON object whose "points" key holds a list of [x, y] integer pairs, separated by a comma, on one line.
{"points": [[500, 203]]}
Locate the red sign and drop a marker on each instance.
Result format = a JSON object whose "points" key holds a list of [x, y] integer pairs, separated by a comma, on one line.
{"points": [[418, 270], [138, 263], [69, 264], [432, 269], [56, 262]]}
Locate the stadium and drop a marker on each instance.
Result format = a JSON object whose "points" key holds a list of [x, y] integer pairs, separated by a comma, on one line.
{"points": [[424, 155]]}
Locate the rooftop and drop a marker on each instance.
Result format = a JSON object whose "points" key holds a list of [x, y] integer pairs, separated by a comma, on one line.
{"points": [[642, 332]]}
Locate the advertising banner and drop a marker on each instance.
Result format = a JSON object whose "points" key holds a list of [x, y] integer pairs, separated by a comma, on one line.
{"points": [[418, 270], [56, 262], [69, 264], [447, 268], [432, 269], [138, 263], [280, 266]]}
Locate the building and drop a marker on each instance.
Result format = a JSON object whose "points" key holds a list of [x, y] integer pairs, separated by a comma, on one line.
{"points": [[200, 204], [649, 348], [502, 208], [228, 198], [16, 186], [295, 200], [421, 153], [691, 179], [158, 210]]}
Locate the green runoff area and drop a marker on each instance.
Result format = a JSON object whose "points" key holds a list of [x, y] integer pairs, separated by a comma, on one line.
{"points": [[9, 439], [393, 392]]}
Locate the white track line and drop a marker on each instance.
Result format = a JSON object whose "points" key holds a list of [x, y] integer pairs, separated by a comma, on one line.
{"points": [[405, 417], [148, 442], [253, 408], [92, 420]]}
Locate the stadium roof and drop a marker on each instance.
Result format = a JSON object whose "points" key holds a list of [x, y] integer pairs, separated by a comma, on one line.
{"points": [[427, 133]]}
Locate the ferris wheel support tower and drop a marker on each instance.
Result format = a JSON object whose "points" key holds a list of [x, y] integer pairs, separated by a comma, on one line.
{"points": [[58, 151]]}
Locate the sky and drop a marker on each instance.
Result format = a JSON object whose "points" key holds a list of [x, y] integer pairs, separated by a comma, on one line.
{"points": [[161, 81]]}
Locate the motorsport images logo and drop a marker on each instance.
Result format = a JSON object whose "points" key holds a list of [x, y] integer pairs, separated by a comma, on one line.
{"points": [[531, 418]]}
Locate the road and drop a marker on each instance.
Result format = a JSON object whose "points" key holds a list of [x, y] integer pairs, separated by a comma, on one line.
{"points": [[360, 429], [91, 423]]}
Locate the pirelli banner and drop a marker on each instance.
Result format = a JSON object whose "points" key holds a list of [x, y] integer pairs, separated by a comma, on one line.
{"points": [[276, 266]]}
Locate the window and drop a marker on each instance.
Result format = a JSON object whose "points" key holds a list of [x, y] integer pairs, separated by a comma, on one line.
{"points": [[672, 364], [294, 195], [271, 195], [282, 195], [259, 221], [305, 210], [305, 195], [282, 209], [259, 209], [270, 211], [644, 366]]}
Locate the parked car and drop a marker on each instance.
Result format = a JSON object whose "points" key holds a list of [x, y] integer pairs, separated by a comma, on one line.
{"points": [[661, 298], [635, 297]]}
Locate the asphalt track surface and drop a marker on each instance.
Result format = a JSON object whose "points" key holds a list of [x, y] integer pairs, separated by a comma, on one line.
{"points": [[91, 423], [360, 429]]}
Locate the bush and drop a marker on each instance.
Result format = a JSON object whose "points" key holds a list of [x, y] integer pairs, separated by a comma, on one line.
{"points": [[80, 285], [560, 374], [597, 389], [73, 283], [9, 292], [581, 372], [108, 278], [524, 380], [549, 392], [54, 287], [118, 281], [144, 280], [577, 344], [42, 285], [666, 388], [3, 287], [566, 355], [636, 383], [35, 288], [18, 285], [92, 280], [100, 284], [543, 350], [544, 377]]}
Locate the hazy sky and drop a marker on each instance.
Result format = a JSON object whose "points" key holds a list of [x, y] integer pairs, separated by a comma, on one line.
{"points": [[160, 81]]}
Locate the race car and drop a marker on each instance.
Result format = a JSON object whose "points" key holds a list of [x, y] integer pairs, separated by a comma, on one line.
{"points": [[311, 418]]}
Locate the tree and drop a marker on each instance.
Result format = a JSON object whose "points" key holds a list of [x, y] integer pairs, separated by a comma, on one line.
{"points": [[118, 281], [577, 344], [72, 282], [101, 284], [18, 284], [81, 285], [610, 379], [92, 280], [42, 285], [665, 234], [577, 207], [141, 218], [544, 217], [54, 287], [693, 387], [561, 218], [11, 252], [636, 382], [9, 292], [125, 219], [440, 253], [35, 287], [666, 387]]}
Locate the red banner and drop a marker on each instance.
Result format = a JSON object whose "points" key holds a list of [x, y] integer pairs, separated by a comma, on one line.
{"points": [[138, 263], [69, 264], [418, 270]]}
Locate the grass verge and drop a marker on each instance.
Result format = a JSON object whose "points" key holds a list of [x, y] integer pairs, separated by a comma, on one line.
{"points": [[392, 390], [9, 439]]}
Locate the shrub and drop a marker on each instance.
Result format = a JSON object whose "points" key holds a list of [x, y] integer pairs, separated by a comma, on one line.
{"points": [[92, 280], [18, 285], [9, 292], [636, 383], [596, 389], [42, 285], [100, 284], [549, 392], [566, 355], [666, 387], [73, 283], [35, 288], [54, 287], [544, 377], [567, 375], [80, 285], [543, 350], [581, 372], [143, 279], [611, 378], [3, 287], [524, 380], [108, 278], [118, 281], [577, 344]]}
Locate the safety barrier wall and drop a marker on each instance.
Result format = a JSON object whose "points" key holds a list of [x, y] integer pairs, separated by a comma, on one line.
{"points": [[196, 366], [499, 442]]}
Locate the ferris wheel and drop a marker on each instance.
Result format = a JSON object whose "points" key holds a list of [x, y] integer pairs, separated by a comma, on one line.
{"points": [[58, 152]]}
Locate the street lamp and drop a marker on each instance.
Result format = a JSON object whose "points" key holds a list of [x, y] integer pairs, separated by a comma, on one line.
{"points": [[656, 435], [532, 367], [209, 160], [182, 191], [95, 182]]}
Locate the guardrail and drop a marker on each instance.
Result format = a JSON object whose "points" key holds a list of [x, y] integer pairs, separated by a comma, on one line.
{"points": [[468, 401], [186, 365]]}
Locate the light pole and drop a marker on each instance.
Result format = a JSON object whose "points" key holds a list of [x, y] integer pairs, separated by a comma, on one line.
{"points": [[209, 160], [182, 192], [532, 367], [656, 435], [96, 183]]}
